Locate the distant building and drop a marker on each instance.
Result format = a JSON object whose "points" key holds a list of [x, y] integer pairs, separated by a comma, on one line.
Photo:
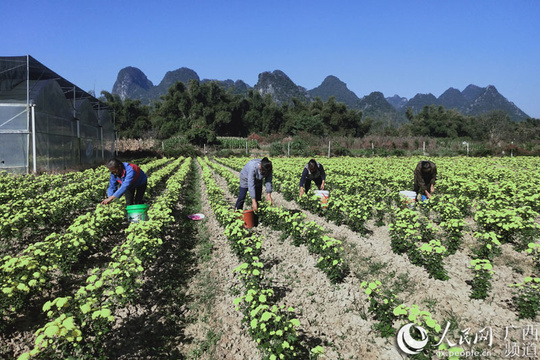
{"points": [[48, 123]]}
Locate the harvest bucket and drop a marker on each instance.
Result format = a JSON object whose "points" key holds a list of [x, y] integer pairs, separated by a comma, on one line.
{"points": [[250, 219], [323, 194], [409, 198], [136, 213]]}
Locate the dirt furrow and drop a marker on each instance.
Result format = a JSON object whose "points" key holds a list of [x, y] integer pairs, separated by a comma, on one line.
{"points": [[217, 330]]}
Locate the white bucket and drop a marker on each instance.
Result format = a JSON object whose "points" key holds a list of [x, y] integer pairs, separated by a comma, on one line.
{"points": [[409, 197], [323, 194]]}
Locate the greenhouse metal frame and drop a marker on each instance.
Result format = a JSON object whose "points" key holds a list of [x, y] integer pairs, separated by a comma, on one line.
{"points": [[47, 123]]}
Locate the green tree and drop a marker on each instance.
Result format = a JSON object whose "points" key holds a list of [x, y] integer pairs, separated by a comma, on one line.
{"points": [[132, 119], [199, 135], [297, 117], [172, 116], [409, 114], [272, 118], [437, 122], [494, 126], [528, 130]]}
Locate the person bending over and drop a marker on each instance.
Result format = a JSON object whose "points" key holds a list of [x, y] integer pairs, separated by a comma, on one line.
{"points": [[313, 171], [425, 175], [251, 179], [126, 179]]}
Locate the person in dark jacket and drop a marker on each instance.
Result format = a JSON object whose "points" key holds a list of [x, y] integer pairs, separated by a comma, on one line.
{"points": [[313, 171], [425, 175], [126, 179], [251, 178]]}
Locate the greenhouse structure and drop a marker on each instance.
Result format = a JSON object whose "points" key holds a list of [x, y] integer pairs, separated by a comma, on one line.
{"points": [[47, 123]]}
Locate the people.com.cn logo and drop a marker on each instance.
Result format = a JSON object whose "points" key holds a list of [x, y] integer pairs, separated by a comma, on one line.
{"points": [[407, 343]]}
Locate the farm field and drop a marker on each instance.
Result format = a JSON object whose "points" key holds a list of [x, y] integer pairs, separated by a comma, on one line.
{"points": [[312, 280]]}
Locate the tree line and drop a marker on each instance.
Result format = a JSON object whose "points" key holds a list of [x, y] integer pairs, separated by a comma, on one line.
{"points": [[203, 111]]}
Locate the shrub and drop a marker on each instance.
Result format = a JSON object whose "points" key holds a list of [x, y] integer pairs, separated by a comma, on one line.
{"points": [[229, 153], [481, 151], [341, 151], [185, 150], [481, 282], [526, 298], [179, 146], [276, 149], [200, 136], [299, 147]]}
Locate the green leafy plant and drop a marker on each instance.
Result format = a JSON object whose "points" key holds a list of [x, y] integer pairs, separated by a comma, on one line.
{"points": [[489, 245], [534, 250], [79, 323], [481, 282], [381, 305], [527, 297], [412, 314], [272, 326], [430, 256]]}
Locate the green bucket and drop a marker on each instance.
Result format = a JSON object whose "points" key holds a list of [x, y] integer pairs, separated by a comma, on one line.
{"points": [[136, 213]]}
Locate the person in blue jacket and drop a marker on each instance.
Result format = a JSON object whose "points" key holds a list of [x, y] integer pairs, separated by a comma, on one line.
{"points": [[126, 179], [251, 179], [313, 171]]}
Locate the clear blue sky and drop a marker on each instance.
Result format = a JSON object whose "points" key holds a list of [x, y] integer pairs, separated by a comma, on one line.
{"points": [[395, 47]]}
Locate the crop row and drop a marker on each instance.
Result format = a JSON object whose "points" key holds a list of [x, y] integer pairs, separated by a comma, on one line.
{"points": [[361, 190], [272, 326], [80, 322], [494, 200], [31, 271], [31, 185], [301, 232], [52, 206], [353, 210]]}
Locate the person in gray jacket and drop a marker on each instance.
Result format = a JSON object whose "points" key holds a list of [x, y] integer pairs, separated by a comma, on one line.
{"points": [[251, 179]]}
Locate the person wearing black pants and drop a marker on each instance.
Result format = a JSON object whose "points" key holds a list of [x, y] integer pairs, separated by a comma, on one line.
{"points": [[251, 179], [135, 195], [313, 171], [126, 179]]}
